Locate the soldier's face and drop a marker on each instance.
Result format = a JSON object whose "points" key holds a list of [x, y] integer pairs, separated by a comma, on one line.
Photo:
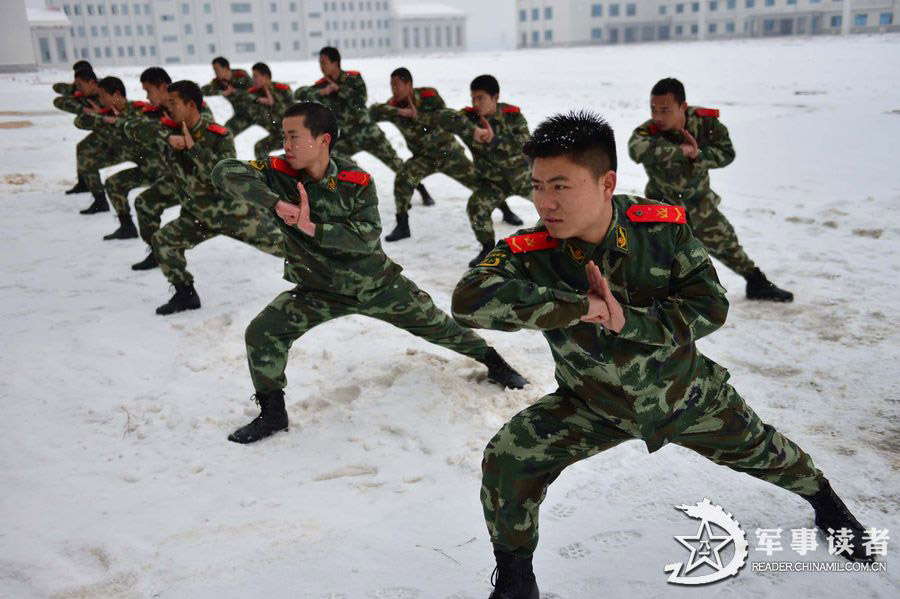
{"points": [[221, 72], [178, 108], [301, 147], [401, 89], [484, 103], [329, 69], [106, 99], [260, 80], [570, 200], [156, 94], [666, 113], [88, 88]]}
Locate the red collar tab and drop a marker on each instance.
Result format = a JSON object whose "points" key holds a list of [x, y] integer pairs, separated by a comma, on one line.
{"points": [[282, 166]]}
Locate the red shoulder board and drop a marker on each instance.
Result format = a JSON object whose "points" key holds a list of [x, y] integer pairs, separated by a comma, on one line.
{"points": [[139, 104], [168, 122], [322, 81], [469, 109], [282, 86], [529, 242], [239, 72], [217, 129], [653, 213], [151, 108], [653, 129], [428, 93], [282, 166], [253, 89], [353, 73], [357, 177], [709, 112], [77, 94], [106, 111], [511, 109]]}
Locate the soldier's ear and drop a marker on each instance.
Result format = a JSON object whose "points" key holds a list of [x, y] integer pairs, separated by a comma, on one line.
{"points": [[608, 183]]}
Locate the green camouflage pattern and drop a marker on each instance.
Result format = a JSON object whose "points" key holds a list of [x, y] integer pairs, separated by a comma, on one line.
{"points": [[204, 213], [501, 169], [238, 123], [676, 179], [74, 102], [105, 146], [647, 382], [150, 204], [64, 88], [434, 150], [268, 117]]}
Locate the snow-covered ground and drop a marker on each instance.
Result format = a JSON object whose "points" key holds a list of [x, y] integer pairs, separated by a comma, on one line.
{"points": [[117, 480]]}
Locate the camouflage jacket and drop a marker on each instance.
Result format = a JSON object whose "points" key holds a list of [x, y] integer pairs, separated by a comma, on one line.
{"points": [[502, 159], [64, 89], [673, 176], [190, 171], [150, 156], [74, 102], [345, 255], [239, 80], [348, 103], [267, 117], [423, 134], [110, 132], [649, 378]]}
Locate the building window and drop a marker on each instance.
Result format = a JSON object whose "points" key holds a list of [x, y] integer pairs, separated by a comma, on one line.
{"points": [[535, 37], [523, 16], [770, 2], [295, 26], [713, 6], [415, 37], [152, 50], [140, 30], [188, 30], [137, 9], [596, 10], [792, 1], [242, 27], [93, 31], [166, 17], [172, 60], [679, 8], [81, 32], [769, 25], [548, 13], [296, 44], [750, 3], [275, 27], [836, 21], [207, 8], [124, 9], [596, 33], [459, 38], [548, 35], [121, 51], [77, 9], [245, 47], [212, 48], [185, 9], [169, 39], [150, 30], [662, 9], [241, 7], [428, 37], [437, 37], [127, 30], [278, 46], [861, 20], [44, 43], [130, 50], [143, 50], [293, 8], [273, 7], [712, 28], [96, 52], [101, 9], [190, 48], [729, 27], [695, 7], [406, 37], [886, 18], [694, 29], [730, 4], [209, 28], [630, 10], [61, 48], [90, 9], [663, 32], [107, 51], [614, 10], [535, 14]]}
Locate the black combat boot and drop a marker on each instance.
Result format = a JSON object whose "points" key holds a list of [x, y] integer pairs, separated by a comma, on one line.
{"points": [[272, 418], [760, 288], [185, 298], [427, 200], [148, 263], [401, 231], [513, 578], [502, 373], [485, 250], [99, 204], [509, 217], [831, 513], [80, 187], [126, 229]]}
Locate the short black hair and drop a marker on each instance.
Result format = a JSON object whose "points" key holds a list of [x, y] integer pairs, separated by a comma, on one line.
{"points": [[331, 53], [317, 117], [222, 62], [82, 64], [111, 85], [85, 74], [188, 91], [402, 74], [583, 136], [155, 76], [485, 83], [669, 85], [263, 69]]}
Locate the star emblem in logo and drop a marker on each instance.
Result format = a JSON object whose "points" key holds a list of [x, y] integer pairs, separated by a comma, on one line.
{"points": [[700, 546]]}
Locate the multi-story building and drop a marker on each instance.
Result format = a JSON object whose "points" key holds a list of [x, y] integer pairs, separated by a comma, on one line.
{"points": [[50, 39], [575, 22], [429, 28]]}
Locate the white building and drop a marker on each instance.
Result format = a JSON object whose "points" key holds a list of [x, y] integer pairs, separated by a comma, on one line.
{"points": [[50, 37], [574, 22], [429, 28], [16, 52]]}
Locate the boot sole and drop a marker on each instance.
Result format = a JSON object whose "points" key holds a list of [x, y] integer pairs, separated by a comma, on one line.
{"points": [[234, 439], [177, 311]]}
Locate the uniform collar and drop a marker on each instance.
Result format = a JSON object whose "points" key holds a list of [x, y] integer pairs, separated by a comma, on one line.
{"points": [[330, 175], [616, 240]]}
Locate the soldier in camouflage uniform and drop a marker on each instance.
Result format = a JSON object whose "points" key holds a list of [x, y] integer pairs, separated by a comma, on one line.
{"points": [[226, 82], [190, 158], [344, 92], [494, 132], [263, 104], [621, 290], [677, 147], [106, 145], [414, 112], [75, 97], [328, 211]]}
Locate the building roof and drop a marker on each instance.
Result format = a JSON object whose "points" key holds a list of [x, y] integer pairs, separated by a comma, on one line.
{"points": [[414, 10], [47, 17]]}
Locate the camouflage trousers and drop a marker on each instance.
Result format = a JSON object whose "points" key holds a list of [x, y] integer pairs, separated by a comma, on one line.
{"points": [[150, 205], [712, 228], [239, 220], [368, 138], [452, 162], [68, 103], [238, 123], [402, 304], [487, 196], [93, 153], [533, 448], [118, 185]]}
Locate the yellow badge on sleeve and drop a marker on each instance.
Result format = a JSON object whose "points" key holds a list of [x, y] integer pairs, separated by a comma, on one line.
{"points": [[258, 165], [492, 259], [621, 238], [332, 183]]}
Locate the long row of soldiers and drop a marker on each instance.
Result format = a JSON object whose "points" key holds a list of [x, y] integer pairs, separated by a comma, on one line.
{"points": [[620, 286]]}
